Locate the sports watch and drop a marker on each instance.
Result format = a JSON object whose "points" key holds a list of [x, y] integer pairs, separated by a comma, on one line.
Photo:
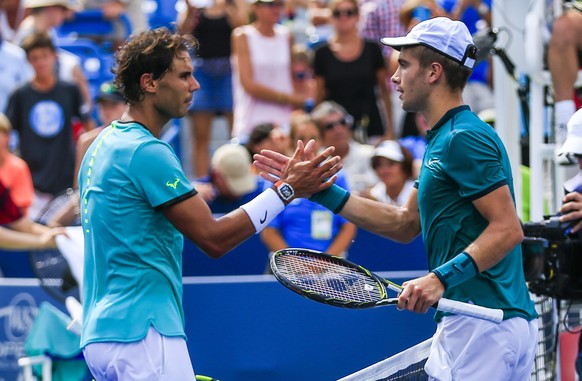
{"points": [[284, 190]]}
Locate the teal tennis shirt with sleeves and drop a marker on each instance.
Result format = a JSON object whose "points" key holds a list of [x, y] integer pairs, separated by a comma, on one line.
{"points": [[464, 161], [133, 254]]}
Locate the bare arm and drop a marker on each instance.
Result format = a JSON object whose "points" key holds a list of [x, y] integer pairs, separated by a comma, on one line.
{"points": [[25, 234], [188, 19], [503, 233], [273, 239], [386, 101], [238, 13], [216, 236], [83, 143], [401, 224], [240, 51]]}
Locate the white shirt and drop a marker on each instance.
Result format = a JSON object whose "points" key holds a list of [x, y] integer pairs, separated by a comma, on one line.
{"points": [[358, 168], [15, 70], [378, 191], [271, 62]]}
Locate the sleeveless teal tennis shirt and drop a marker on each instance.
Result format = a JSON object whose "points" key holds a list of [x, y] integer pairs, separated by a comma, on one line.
{"points": [[465, 160], [133, 254]]}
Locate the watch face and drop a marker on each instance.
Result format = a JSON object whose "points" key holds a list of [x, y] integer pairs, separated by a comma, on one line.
{"points": [[286, 191]]}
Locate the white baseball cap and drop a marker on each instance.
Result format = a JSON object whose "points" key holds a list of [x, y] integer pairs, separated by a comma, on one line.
{"points": [[451, 38], [233, 164], [573, 143], [389, 149], [48, 3]]}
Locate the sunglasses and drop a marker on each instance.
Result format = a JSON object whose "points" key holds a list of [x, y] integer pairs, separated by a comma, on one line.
{"points": [[331, 125], [270, 4], [299, 75], [344, 12]]}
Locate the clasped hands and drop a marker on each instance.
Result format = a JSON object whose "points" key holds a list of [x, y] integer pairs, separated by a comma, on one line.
{"points": [[305, 171]]}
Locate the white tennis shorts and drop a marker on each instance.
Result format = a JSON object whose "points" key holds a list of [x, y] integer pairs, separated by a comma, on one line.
{"points": [[466, 348], [154, 358]]}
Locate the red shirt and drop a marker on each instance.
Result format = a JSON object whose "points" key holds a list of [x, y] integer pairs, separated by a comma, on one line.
{"points": [[9, 212]]}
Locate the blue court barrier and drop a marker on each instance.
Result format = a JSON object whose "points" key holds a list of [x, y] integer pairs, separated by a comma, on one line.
{"points": [[250, 328], [251, 257]]}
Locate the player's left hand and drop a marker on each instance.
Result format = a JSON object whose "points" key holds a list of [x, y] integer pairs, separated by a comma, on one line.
{"points": [[304, 171], [420, 294]]}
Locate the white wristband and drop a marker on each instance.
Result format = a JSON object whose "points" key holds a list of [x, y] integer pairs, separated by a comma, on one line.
{"points": [[263, 208]]}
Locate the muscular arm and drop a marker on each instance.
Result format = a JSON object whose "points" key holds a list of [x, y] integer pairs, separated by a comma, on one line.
{"points": [[399, 223], [214, 236], [503, 233]]}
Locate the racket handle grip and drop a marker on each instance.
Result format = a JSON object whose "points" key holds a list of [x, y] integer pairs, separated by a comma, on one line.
{"points": [[480, 312]]}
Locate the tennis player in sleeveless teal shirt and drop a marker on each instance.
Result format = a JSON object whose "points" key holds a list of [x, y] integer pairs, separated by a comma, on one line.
{"points": [[136, 207], [464, 207]]}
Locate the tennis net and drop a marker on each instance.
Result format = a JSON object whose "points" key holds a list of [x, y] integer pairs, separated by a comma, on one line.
{"points": [[409, 364]]}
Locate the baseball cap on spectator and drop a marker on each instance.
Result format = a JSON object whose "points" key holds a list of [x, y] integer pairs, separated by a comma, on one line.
{"points": [[448, 37], [50, 3], [108, 92], [233, 164], [390, 150], [573, 143]]}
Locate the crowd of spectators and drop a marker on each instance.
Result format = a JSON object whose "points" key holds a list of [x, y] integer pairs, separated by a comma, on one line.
{"points": [[263, 65]]}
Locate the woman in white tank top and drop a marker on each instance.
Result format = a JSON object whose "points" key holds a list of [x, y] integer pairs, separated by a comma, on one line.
{"points": [[261, 61]]}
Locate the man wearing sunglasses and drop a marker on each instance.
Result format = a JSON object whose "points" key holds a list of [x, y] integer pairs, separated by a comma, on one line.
{"points": [[334, 124]]}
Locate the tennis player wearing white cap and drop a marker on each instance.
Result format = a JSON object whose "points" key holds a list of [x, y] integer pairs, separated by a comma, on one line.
{"points": [[463, 204]]}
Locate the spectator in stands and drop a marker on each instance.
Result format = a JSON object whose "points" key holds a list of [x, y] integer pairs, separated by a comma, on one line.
{"points": [[392, 163], [42, 112], [381, 18], [133, 190], [269, 136], [302, 71], [18, 232], [113, 9], [110, 106], [334, 124], [15, 69], [378, 19], [304, 223], [319, 15], [564, 62], [263, 88], [231, 181], [351, 71], [45, 16], [212, 26], [14, 172], [414, 139], [11, 15]]}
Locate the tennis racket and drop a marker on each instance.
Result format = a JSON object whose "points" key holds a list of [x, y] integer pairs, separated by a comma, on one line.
{"points": [[49, 265], [335, 281]]}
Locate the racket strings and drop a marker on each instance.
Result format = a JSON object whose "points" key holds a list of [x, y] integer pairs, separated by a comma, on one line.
{"points": [[329, 279]]}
